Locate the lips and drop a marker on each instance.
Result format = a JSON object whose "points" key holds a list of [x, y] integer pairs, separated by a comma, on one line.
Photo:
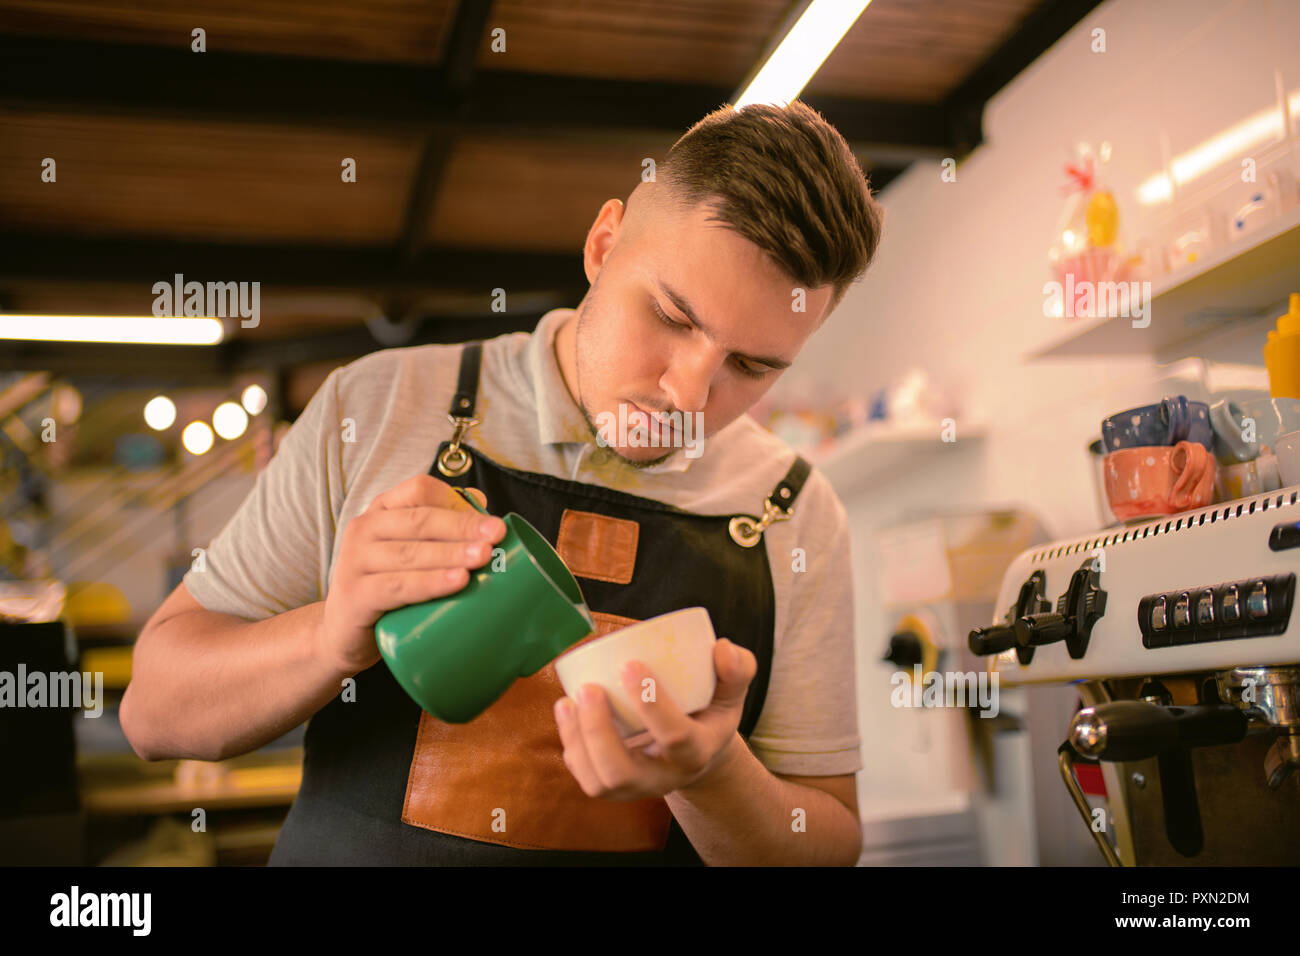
{"points": [[655, 424]]}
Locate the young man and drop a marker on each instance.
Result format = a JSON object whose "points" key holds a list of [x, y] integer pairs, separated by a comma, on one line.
{"points": [[703, 288]]}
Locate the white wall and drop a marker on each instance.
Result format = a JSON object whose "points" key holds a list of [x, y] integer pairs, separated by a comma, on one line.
{"points": [[957, 287]]}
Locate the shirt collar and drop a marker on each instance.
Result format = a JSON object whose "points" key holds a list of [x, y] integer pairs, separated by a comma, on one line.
{"points": [[559, 419]]}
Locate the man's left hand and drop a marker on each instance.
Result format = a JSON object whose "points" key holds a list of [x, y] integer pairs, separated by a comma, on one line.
{"points": [[674, 751]]}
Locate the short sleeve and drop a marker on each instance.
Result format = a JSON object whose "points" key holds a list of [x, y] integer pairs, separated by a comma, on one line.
{"points": [[274, 553], [809, 723]]}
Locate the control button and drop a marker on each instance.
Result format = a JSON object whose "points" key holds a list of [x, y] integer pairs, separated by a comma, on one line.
{"points": [[1157, 639], [1183, 610], [1159, 614], [1285, 536], [1231, 604], [1257, 600], [1205, 608]]}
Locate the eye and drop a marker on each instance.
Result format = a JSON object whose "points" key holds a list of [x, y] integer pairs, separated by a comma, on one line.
{"points": [[751, 372], [664, 318], [746, 370]]}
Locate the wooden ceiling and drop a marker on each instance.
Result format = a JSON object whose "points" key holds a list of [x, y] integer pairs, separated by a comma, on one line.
{"points": [[909, 50], [475, 168]]}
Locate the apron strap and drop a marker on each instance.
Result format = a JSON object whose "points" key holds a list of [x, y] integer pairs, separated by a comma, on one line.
{"points": [[463, 402], [778, 506], [790, 486], [454, 460]]}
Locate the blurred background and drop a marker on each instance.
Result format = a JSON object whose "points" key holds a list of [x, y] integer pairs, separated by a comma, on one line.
{"points": [[1008, 140]]}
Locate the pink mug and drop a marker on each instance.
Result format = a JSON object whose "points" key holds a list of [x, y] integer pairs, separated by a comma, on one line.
{"points": [[1153, 480]]}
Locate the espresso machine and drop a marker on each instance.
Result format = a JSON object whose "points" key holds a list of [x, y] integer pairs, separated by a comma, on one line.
{"points": [[1177, 634]]}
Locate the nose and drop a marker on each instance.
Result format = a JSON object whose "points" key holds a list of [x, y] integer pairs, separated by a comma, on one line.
{"points": [[689, 376]]}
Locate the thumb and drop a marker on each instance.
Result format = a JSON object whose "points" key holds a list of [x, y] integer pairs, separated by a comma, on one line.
{"points": [[482, 498], [738, 666]]}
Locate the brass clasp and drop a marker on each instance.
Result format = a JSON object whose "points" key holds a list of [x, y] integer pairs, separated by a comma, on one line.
{"points": [[747, 532], [454, 460]]}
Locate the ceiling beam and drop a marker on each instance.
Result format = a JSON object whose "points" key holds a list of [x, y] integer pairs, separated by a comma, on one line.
{"points": [[464, 39], [50, 74], [368, 268], [1044, 26], [355, 340]]}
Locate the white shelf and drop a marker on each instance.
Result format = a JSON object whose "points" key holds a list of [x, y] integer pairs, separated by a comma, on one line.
{"points": [[1238, 281], [880, 448]]}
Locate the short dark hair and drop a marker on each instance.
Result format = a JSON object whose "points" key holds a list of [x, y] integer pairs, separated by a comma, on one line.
{"points": [[785, 179]]}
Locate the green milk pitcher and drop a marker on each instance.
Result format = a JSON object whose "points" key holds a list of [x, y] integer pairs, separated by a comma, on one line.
{"points": [[457, 654]]}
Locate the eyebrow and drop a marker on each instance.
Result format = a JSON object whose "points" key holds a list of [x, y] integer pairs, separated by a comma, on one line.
{"points": [[682, 305]]}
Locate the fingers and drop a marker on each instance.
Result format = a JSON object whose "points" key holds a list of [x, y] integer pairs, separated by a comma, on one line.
{"points": [[426, 509], [399, 588], [432, 523], [576, 757], [664, 720], [386, 556], [670, 728], [420, 491], [598, 750]]}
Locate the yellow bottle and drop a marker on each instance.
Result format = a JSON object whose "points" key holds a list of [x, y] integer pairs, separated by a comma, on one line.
{"points": [[1282, 353], [1102, 216]]}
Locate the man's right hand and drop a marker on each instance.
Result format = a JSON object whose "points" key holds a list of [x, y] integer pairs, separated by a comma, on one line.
{"points": [[415, 542]]}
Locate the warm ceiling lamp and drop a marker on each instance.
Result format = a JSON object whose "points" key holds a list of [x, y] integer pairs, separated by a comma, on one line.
{"points": [[197, 438], [229, 420], [253, 399], [159, 412]]}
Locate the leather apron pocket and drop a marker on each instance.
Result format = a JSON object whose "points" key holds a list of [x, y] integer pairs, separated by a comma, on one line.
{"points": [[501, 778]]}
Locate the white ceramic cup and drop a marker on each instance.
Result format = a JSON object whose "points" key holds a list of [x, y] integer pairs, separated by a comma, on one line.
{"points": [[678, 649], [1288, 457]]}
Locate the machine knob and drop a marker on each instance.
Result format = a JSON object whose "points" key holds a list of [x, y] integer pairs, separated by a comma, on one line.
{"points": [[992, 639], [905, 650], [1035, 630]]}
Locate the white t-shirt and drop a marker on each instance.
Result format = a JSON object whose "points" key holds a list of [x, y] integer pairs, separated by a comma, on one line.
{"points": [[378, 421]]}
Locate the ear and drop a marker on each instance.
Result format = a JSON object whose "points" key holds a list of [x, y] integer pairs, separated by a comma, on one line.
{"points": [[601, 237]]}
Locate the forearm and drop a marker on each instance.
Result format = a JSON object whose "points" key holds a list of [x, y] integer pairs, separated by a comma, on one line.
{"points": [[743, 815], [211, 686]]}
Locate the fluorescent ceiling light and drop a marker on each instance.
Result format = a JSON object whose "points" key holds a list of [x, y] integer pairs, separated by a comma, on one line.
{"points": [[804, 49], [122, 329]]}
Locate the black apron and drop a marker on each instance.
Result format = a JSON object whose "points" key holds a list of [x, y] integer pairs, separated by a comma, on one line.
{"points": [[360, 766]]}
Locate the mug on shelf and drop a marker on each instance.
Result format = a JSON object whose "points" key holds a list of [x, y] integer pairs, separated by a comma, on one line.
{"points": [[1166, 422], [1146, 482]]}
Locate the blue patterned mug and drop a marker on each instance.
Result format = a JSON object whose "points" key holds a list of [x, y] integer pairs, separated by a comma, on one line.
{"points": [[1164, 423]]}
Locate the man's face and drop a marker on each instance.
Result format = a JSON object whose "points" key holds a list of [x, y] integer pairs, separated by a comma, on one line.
{"points": [[684, 315]]}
